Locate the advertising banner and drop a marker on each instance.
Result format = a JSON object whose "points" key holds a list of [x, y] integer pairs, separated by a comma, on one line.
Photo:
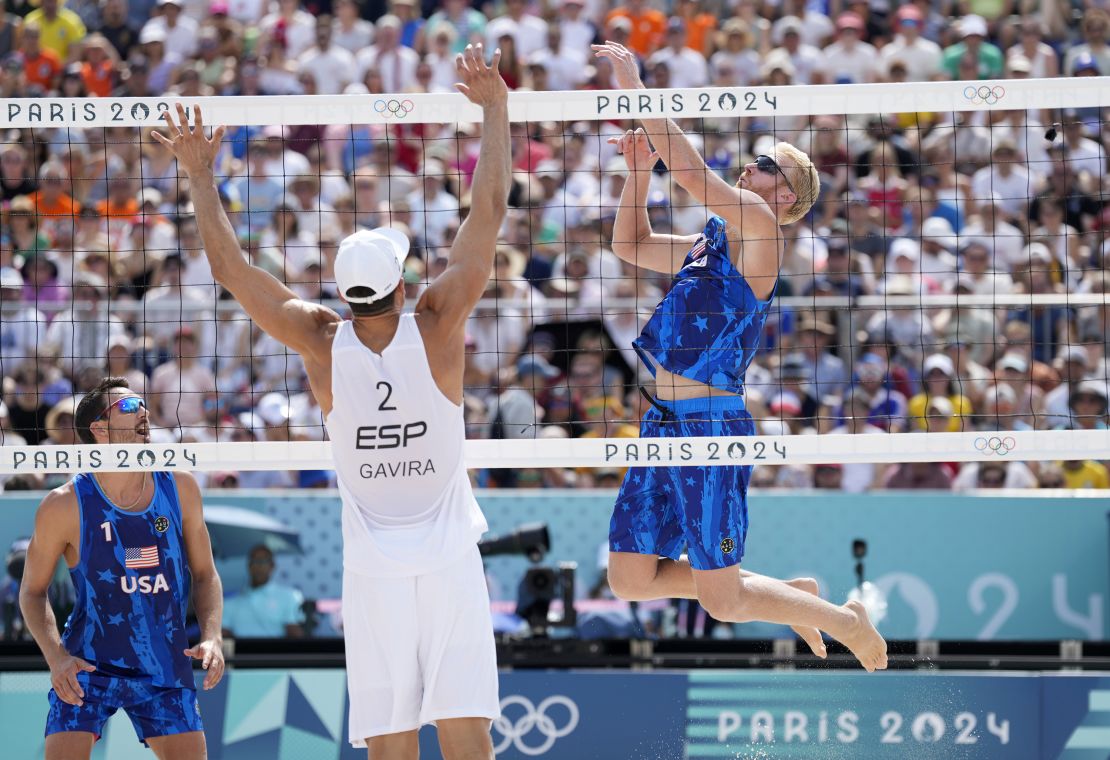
{"points": [[621, 715]]}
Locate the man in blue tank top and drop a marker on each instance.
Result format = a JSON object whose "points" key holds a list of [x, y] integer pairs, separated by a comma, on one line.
{"points": [[679, 531], [135, 544]]}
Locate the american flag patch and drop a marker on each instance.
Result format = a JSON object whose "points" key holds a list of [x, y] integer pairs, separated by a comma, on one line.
{"points": [[698, 249], [147, 556]]}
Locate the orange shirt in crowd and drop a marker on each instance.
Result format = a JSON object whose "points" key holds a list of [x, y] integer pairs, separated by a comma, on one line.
{"points": [[698, 30], [98, 79], [126, 211], [43, 69], [62, 206], [648, 29]]}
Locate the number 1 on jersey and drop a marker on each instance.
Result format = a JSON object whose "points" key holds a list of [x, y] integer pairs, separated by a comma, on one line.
{"points": [[107, 527]]}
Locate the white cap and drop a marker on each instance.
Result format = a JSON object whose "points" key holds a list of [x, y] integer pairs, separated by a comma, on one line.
{"points": [[941, 362], [973, 24], [373, 259], [274, 409]]}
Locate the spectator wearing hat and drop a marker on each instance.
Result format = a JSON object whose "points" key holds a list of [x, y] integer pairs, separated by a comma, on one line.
{"points": [[1088, 405], [576, 29], [939, 381], [53, 205], [647, 26], [60, 423], [169, 303], [999, 410], [921, 56], [178, 387], [735, 55], [687, 66], [1030, 46], [849, 59], [812, 337], [41, 285], [22, 325], [1015, 370], [888, 405], [1074, 365], [178, 31], [99, 65], [807, 62], [61, 29], [1094, 52], [973, 44]]}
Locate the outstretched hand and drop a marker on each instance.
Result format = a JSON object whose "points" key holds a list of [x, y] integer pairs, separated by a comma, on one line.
{"points": [[481, 83], [626, 67], [637, 152], [194, 152]]}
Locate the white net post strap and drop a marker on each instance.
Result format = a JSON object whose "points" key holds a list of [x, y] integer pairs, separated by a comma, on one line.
{"points": [[588, 105], [1040, 445]]}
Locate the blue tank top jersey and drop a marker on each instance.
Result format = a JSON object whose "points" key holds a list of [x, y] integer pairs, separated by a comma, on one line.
{"points": [[708, 327], [132, 586]]}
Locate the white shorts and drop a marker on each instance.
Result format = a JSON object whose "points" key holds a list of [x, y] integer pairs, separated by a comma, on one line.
{"points": [[419, 649]]}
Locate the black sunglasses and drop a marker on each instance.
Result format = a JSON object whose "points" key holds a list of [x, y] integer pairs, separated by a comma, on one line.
{"points": [[127, 405], [767, 165]]}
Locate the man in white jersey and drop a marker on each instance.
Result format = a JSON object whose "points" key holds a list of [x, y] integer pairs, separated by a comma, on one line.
{"points": [[416, 615]]}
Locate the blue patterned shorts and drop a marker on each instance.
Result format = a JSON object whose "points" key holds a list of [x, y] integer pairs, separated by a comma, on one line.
{"points": [[153, 710], [702, 510]]}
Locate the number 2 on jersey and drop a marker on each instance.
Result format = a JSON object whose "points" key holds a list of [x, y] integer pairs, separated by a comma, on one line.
{"points": [[388, 392]]}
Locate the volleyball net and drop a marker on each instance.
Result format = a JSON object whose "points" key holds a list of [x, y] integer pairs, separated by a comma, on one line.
{"points": [[943, 302]]}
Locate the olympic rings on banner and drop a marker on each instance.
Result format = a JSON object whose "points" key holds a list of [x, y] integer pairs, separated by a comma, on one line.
{"points": [[393, 108], [534, 719], [1000, 445], [984, 94]]}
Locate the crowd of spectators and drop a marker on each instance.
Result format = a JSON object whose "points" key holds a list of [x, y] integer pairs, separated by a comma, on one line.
{"points": [[102, 271]]}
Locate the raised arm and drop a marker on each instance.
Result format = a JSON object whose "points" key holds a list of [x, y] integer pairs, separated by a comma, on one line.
{"points": [[742, 209], [276, 309], [633, 240], [448, 301]]}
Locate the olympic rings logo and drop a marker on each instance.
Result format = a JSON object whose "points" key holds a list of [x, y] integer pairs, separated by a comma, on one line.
{"points": [[984, 94], [534, 719], [393, 108], [995, 445]]}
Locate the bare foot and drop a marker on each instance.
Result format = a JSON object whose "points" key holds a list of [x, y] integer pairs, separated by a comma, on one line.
{"points": [[811, 636], [864, 641]]}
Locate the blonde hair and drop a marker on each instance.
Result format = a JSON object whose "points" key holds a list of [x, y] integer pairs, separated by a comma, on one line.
{"points": [[803, 177]]}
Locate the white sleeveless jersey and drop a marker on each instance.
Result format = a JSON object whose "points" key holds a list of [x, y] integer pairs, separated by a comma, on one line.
{"points": [[408, 508]]}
